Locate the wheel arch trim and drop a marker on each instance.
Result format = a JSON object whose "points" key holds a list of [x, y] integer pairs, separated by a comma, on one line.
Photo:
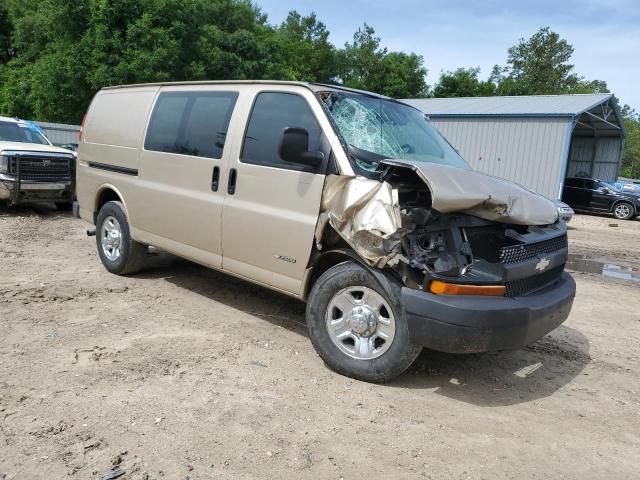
{"points": [[635, 208], [100, 192], [330, 258]]}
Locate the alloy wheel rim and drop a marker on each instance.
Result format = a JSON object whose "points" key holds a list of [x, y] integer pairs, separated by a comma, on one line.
{"points": [[111, 238], [622, 211], [360, 323]]}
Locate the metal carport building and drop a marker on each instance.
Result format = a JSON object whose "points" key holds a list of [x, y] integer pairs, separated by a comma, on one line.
{"points": [[535, 140]]}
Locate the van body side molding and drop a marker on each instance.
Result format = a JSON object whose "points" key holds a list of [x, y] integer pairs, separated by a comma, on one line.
{"points": [[114, 168]]}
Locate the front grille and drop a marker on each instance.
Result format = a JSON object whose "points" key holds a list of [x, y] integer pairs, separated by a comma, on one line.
{"points": [[42, 168], [521, 253], [524, 286]]}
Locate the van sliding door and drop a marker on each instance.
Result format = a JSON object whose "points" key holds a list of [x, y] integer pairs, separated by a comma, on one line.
{"points": [[185, 151]]}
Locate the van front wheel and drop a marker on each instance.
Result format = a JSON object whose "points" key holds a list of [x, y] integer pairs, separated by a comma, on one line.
{"points": [[120, 254], [357, 327]]}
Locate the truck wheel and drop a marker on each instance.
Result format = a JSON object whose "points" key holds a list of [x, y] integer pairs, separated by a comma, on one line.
{"points": [[356, 327], [119, 253], [623, 211]]}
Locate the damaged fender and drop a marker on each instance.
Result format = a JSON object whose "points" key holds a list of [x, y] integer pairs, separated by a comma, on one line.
{"points": [[366, 214]]}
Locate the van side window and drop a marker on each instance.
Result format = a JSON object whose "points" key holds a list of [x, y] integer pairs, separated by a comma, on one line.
{"points": [[190, 123], [272, 113]]}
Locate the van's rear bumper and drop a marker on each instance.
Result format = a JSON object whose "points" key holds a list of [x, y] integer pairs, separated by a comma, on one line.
{"points": [[472, 324]]}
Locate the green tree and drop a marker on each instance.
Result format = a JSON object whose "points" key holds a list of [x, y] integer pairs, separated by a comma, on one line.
{"points": [[360, 62], [65, 51], [631, 156], [6, 28], [540, 65], [505, 84], [593, 86], [404, 75], [304, 51], [44, 43], [463, 82], [365, 65], [55, 54]]}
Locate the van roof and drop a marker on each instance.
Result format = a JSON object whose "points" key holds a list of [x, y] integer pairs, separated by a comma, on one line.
{"points": [[316, 87]]}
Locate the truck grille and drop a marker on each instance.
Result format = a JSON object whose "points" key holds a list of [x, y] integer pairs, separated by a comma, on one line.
{"points": [[528, 285], [42, 168], [521, 253]]}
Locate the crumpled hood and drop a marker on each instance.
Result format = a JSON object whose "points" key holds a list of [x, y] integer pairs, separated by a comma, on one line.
{"points": [[33, 147], [492, 198]]}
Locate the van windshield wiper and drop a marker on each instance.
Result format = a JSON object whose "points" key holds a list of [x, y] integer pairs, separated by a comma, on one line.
{"points": [[365, 161]]}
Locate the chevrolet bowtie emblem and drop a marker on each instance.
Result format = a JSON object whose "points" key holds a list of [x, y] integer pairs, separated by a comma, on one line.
{"points": [[542, 264]]}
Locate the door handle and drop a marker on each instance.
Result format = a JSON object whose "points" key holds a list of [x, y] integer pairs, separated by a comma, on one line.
{"points": [[215, 179], [231, 187]]}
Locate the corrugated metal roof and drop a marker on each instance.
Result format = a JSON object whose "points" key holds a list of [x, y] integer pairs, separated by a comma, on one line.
{"points": [[521, 105]]}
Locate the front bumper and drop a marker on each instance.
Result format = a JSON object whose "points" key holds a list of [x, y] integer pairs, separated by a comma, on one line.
{"points": [[566, 214], [30, 191], [472, 324]]}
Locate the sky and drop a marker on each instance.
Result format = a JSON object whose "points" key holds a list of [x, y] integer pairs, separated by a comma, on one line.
{"points": [[456, 33]]}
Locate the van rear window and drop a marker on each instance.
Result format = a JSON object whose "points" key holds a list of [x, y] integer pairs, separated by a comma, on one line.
{"points": [[190, 123]]}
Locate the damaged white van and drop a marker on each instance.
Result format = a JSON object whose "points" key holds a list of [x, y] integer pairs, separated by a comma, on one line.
{"points": [[347, 200]]}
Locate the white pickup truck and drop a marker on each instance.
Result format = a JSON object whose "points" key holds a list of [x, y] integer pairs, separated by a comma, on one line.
{"points": [[31, 168]]}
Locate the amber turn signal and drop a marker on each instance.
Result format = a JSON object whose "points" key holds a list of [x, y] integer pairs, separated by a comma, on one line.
{"points": [[444, 288]]}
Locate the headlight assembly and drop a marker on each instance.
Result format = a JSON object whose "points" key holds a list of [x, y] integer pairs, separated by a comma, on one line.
{"points": [[4, 164]]}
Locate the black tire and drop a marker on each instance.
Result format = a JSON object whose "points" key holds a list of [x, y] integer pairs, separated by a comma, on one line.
{"points": [[132, 254], [393, 362], [624, 214]]}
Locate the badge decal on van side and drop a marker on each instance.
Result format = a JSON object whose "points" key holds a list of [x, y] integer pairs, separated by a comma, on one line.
{"points": [[284, 258]]}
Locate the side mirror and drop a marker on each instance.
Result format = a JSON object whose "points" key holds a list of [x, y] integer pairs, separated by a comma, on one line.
{"points": [[294, 148]]}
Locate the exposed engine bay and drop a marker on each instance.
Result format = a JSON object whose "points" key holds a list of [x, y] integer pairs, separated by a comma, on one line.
{"points": [[509, 236]]}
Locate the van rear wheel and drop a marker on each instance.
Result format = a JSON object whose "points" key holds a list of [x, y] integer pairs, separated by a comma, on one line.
{"points": [[357, 327], [120, 254]]}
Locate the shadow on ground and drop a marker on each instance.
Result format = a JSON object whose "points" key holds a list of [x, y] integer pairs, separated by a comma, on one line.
{"points": [[238, 294], [489, 379], [29, 210], [503, 378]]}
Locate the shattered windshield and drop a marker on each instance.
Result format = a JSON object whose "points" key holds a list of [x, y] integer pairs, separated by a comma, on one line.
{"points": [[375, 129]]}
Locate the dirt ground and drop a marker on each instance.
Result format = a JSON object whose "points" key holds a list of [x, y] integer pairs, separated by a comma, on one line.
{"points": [[180, 372]]}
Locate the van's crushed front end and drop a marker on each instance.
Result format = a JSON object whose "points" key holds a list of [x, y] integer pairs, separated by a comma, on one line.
{"points": [[485, 286], [481, 259]]}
